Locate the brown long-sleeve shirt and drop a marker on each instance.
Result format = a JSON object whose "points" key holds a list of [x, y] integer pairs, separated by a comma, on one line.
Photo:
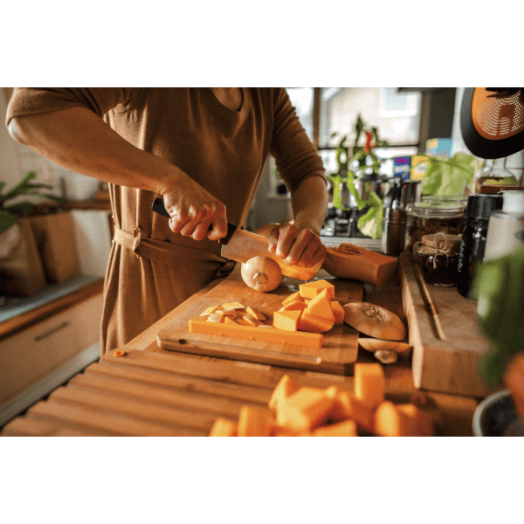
{"points": [[151, 269]]}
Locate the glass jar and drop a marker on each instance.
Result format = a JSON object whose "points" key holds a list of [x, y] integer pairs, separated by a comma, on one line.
{"points": [[494, 173], [437, 255], [433, 215]]}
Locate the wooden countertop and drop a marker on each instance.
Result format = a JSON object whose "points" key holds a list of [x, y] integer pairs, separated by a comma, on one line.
{"points": [[152, 391]]}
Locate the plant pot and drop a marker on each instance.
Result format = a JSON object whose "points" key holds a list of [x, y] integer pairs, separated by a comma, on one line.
{"points": [[21, 271]]}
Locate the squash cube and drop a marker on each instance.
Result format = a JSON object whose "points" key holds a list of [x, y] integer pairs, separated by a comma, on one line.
{"points": [[369, 384], [391, 422], [346, 406], [285, 388], [320, 306], [422, 420], [255, 313], [304, 410], [223, 428], [347, 428], [314, 324], [292, 298], [338, 311], [286, 320], [312, 289], [255, 422], [296, 305]]}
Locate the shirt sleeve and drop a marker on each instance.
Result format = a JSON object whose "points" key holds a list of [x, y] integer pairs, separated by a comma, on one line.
{"points": [[34, 101], [296, 157]]}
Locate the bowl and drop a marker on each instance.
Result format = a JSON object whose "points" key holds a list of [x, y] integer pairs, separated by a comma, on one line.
{"points": [[496, 416]]}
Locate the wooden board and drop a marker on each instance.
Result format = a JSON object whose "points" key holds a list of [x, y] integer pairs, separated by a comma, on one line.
{"points": [[338, 354], [444, 332], [153, 394]]}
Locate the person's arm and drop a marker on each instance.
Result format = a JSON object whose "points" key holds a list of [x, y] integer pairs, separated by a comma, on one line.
{"points": [[78, 139], [298, 241]]}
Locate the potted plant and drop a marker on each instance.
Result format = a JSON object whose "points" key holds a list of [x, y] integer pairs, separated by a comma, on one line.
{"points": [[352, 168], [21, 271]]}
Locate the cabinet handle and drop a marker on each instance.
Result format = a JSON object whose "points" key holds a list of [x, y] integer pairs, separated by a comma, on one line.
{"points": [[38, 338]]}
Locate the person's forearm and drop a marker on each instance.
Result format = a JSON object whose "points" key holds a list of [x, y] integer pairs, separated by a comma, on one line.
{"points": [[79, 140], [310, 204]]}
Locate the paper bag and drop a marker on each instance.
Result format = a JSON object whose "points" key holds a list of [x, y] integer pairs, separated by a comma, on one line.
{"points": [[21, 271], [55, 239]]}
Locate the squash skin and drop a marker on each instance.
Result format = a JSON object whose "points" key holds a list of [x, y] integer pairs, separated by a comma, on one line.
{"points": [[375, 321], [368, 266]]}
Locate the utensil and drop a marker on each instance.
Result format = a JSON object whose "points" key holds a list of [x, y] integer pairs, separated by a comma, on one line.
{"points": [[241, 245]]}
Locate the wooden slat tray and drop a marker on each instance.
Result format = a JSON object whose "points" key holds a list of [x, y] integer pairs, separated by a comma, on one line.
{"points": [[444, 332], [153, 394], [338, 354]]}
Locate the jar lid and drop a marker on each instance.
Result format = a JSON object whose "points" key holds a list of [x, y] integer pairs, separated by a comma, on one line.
{"points": [[440, 243], [432, 209], [480, 206]]}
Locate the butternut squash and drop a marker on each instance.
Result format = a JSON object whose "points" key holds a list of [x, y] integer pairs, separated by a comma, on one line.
{"points": [[346, 428], [261, 273], [314, 324], [338, 311], [403, 420], [347, 406], [315, 340], [286, 320], [312, 289], [320, 306], [369, 383], [349, 261], [285, 388], [304, 410], [223, 428], [255, 422]]}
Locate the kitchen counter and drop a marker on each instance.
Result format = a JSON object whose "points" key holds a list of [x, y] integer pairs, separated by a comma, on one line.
{"points": [[152, 391]]}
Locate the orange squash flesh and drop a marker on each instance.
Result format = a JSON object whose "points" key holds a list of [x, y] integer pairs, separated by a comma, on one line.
{"points": [[347, 428], [423, 421], [285, 388], [338, 311], [347, 406], [286, 320], [320, 306], [304, 410], [223, 428], [312, 289], [315, 340], [255, 422], [292, 298], [314, 324], [364, 265], [390, 422], [295, 305], [369, 383]]}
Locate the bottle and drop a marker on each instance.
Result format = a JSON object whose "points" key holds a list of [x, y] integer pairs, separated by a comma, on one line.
{"points": [[494, 174], [473, 242], [402, 193]]}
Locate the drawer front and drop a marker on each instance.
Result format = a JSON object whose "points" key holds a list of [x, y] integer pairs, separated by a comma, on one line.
{"points": [[27, 357]]}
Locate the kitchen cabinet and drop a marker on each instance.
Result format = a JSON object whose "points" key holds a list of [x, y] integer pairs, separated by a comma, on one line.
{"points": [[42, 348]]}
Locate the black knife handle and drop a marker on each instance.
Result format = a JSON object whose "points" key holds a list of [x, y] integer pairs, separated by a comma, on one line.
{"points": [[158, 207]]}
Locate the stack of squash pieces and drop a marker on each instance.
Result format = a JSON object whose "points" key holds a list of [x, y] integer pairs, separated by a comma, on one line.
{"points": [[295, 410]]}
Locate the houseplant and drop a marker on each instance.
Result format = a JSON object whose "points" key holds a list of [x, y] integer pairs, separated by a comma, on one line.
{"points": [[351, 168]]}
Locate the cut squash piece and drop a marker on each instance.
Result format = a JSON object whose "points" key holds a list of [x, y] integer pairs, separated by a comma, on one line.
{"points": [[229, 312], [304, 410], [296, 305], [347, 428], [314, 340], [347, 406], [369, 384], [312, 289], [396, 421], [255, 313], [349, 261], [209, 310], [223, 428], [423, 420], [320, 306], [314, 324], [292, 298], [286, 320], [285, 388], [255, 422], [214, 317], [251, 321], [338, 311]]}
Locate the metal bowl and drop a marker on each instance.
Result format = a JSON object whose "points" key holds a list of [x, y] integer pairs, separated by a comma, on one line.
{"points": [[496, 416]]}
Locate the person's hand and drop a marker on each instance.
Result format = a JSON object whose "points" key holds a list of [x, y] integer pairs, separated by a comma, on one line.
{"points": [[514, 381], [297, 245], [194, 211]]}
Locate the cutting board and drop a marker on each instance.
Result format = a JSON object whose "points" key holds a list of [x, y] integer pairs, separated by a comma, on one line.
{"points": [[444, 332], [338, 354]]}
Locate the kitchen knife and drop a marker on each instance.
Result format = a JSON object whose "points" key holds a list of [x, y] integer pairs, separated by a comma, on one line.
{"points": [[241, 245]]}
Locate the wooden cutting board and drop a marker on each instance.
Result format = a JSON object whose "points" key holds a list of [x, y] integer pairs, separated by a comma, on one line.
{"points": [[444, 332], [338, 354]]}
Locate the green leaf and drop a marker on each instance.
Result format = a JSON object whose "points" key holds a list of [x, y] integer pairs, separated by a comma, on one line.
{"points": [[7, 220], [359, 127], [448, 177], [370, 224], [20, 188]]}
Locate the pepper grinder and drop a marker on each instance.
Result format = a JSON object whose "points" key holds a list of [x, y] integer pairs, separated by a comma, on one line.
{"points": [[402, 193]]}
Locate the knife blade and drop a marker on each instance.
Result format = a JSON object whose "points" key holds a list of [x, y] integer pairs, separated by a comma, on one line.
{"points": [[241, 245]]}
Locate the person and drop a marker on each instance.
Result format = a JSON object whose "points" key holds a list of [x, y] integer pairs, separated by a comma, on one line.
{"points": [[203, 151]]}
